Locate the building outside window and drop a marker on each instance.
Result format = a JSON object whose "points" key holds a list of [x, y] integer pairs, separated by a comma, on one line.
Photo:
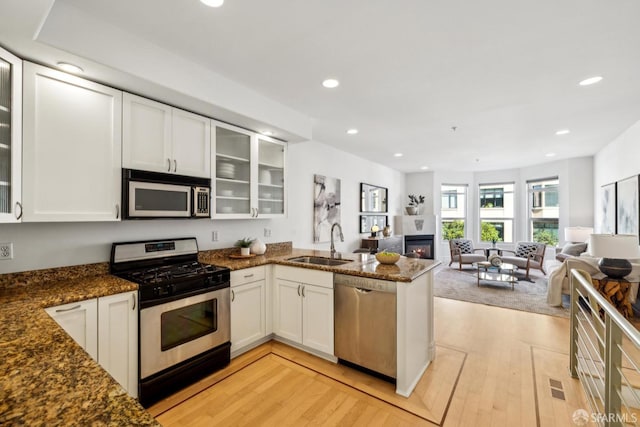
{"points": [[544, 210], [453, 211], [496, 212]]}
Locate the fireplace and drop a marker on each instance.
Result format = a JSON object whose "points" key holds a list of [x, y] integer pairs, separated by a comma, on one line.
{"points": [[421, 244]]}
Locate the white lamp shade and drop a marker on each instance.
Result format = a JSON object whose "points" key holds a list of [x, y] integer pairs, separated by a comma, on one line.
{"points": [[622, 246], [577, 234]]}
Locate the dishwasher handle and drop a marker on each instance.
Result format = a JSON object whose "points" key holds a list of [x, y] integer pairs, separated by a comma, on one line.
{"points": [[364, 283], [363, 291]]}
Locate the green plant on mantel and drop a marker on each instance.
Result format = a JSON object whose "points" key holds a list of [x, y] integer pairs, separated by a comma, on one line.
{"points": [[244, 243], [415, 200]]}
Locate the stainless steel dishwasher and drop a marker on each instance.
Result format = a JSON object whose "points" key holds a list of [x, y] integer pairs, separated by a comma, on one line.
{"points": [[365, 323]]}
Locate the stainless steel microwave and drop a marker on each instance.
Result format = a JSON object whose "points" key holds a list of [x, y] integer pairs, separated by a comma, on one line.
{"points": [[147, 195]]}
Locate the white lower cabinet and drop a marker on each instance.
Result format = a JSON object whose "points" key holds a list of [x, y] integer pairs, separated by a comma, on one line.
{"points": [[248, 307], [303, 310], [107, 329], [80, 321], [118, 338]]}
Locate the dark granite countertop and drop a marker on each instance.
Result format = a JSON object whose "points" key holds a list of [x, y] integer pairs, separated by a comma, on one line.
{"points": [[364, 265], [48, 379], [45, 377]]}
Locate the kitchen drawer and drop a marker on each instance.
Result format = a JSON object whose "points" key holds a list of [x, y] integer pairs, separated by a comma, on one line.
{"points": [[247, 275], [305, 275]]}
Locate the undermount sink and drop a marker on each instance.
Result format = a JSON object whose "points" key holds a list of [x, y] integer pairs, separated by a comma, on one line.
{"points": [[319, 260]]}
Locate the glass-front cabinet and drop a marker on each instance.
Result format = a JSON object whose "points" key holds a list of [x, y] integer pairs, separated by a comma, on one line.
{"points": [[270, 177], [232, 170], [10, 136], [248, 175]]}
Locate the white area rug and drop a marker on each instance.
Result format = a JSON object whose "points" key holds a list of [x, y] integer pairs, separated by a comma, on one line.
{"points": [[526, 296]]}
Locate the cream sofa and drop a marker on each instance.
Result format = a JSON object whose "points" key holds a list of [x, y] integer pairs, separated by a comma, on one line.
{"points": [[558, 276]]}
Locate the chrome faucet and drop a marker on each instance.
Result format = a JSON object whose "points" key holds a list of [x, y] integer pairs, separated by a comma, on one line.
{"points": [[333, 245]]}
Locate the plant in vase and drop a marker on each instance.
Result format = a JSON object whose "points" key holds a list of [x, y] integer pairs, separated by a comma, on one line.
{"points": [[245, 246], [414, 204]]}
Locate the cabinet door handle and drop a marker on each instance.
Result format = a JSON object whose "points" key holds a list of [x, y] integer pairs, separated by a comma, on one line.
{"points": [[248, 275], [303, 296], [175, 165], [62, 310], [117, 210], [168, 165], [233, 295], [133, 298], [298, 290], [18, 205]]}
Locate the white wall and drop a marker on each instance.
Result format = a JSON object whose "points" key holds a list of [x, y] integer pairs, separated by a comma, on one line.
{"points": [[43, 245], [616, 161], [421, 184]]}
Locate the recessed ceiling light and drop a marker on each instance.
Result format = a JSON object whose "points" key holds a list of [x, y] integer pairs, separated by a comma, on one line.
{"points": [[267, 133], [563, 132], [69, 67], [330, 83], [590, 81], [352, 131], [398, 155], [213, 3], [550, 154], [424, 168]]}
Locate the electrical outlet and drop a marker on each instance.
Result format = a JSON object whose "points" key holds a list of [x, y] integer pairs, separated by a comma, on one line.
{"points": [[6, 250], [267, 232], [214, 236]]}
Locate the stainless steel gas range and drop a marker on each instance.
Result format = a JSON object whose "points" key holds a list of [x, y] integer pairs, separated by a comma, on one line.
{"points": [[184, 309]]}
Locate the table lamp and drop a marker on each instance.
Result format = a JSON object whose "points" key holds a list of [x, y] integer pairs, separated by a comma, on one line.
{"points": [[577, 234], [615, 251]]}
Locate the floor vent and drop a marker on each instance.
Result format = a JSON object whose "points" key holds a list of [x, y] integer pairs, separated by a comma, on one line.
{"points": [[556, 389]]}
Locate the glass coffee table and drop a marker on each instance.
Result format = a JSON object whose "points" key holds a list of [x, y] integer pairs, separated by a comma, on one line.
{"points": [[505, 273]]}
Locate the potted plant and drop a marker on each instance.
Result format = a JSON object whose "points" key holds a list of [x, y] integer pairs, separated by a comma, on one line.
{"points": [[414, 204], [245, 245]]}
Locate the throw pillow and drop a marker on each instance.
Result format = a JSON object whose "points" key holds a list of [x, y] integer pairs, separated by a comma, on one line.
{"points": [[574, 249]]}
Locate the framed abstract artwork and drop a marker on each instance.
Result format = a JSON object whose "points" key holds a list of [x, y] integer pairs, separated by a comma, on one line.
{"points": [[628, 212], [326, 206], [608, 209]]}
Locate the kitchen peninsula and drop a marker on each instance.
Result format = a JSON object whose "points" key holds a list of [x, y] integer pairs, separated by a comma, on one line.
{"points": [[47, 378]]}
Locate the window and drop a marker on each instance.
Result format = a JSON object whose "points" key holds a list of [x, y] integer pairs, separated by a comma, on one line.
{"points": [[453, 211], [544, 210], [491, 198], [496, 212], [449, 199]]}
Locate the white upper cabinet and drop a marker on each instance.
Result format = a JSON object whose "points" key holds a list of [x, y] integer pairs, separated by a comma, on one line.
{"points": [[249, 174], [161, 138], [146, 134], [71, 148], [10, 137]]}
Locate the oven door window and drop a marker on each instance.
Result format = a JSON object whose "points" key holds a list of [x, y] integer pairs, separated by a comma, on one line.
{"points": [[188, 323]]}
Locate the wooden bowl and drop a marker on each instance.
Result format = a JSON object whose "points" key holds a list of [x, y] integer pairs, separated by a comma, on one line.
{"points": [[387, 257]]}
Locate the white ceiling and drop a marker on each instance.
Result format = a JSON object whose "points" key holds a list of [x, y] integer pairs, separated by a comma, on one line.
{"points": [[504, 73]]}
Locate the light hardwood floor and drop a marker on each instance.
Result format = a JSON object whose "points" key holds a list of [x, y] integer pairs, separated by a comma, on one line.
{"points": [[494, 367]]}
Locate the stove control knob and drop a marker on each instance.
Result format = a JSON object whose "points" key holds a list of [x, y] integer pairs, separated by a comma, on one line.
{"points": [[157, 291]]}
